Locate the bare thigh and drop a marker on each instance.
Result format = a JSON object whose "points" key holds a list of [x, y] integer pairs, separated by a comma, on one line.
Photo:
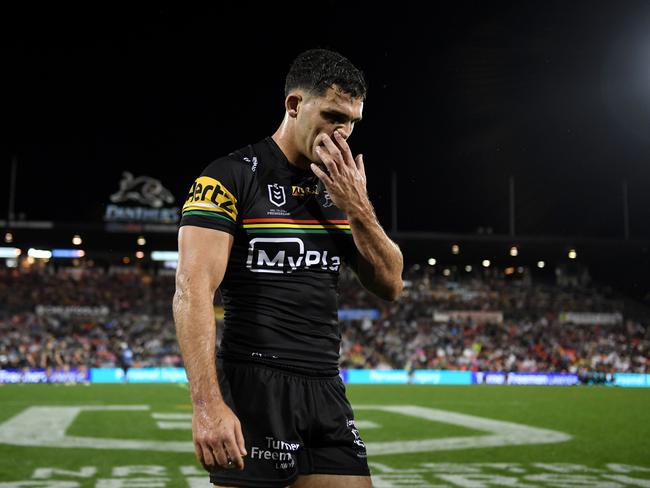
{"points": [[332, 481]]}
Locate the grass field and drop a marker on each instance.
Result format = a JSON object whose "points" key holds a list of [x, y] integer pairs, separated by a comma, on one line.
{"points": [[417, 436]]}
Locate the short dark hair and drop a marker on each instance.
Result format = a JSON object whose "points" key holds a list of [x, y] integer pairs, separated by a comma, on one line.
{"points": [[316, 70]]}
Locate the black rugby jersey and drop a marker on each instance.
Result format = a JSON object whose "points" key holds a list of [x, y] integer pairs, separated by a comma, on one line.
{"points": [[281, 283]]}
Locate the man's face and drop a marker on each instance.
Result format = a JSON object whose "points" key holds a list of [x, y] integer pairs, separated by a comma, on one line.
{"points": [[322, 115]]}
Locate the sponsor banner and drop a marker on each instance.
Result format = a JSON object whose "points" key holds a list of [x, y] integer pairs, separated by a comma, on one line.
{"points": [[440, 377], [141, 200], [477, 316], [42, 376], [359, 376], [546, 379], [117, 213], [106, 375], [632, 379], [377, 376], [72, 310], [586, 318], [138, 375], [489, 378], [359, 313]]}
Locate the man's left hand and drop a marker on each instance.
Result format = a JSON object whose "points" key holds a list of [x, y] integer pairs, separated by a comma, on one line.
{"points": [[346, 182]]}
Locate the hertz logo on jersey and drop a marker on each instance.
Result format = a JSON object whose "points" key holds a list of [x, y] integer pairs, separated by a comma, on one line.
{"points": [[210, 196]]}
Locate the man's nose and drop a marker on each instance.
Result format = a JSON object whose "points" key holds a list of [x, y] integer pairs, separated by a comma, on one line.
{"points": [[344, 131]]}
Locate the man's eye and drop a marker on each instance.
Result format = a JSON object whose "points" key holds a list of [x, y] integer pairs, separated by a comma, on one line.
{"points": [[334, 119]]}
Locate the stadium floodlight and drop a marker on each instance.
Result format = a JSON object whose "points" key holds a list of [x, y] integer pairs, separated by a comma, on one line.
{"points": [[573, 254], [39, 253], [68, 253], [141, 241], [432, 261], [514, 251], [9, 238], [468, 268], [164, 255], [9, 252], [455, 249], [486, 263], [541, 264], [76, 240]]}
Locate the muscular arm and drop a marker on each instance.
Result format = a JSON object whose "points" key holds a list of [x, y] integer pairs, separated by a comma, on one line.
{"points": [[378, 262], [203, 256], [202, 259]]}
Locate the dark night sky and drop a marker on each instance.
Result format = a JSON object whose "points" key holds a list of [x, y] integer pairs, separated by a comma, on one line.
{"points": [[463, 95]]}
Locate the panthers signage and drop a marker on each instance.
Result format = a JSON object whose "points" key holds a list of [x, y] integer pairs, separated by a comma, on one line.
{"points": [[141, 200]]}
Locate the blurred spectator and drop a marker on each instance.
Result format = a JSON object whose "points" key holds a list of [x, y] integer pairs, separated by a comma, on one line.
{"points": [[121, 317]]}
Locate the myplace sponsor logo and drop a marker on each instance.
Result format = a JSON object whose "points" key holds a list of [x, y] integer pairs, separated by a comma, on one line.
{"points": [[285, 255]]}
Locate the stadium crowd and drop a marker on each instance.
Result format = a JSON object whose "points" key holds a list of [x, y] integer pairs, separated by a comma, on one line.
{"points": [[80, 317]]}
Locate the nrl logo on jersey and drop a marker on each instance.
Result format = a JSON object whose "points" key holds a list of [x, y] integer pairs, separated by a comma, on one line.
{"points": [[286, 255], [277, 195]]}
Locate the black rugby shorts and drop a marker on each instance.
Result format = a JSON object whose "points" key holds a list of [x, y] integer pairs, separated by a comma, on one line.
{"points": [[293, 424]]}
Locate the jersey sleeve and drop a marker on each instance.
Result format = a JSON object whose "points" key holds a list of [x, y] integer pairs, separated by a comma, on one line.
{"points": [[217, 196]]}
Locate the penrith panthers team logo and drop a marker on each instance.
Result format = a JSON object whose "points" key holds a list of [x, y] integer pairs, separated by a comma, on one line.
{"points": [[143, 189], [277, 195]]}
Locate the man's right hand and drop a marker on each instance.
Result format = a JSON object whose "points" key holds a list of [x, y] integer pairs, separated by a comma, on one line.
{"points": [[217, 436]]}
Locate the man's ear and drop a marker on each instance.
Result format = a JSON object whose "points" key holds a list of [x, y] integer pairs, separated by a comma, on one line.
{"points": [[292, 104]]}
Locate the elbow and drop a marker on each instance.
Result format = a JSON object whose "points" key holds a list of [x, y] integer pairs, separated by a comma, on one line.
{"points": [[180, 293], [192, 284], [397, 290], [392, 293]]}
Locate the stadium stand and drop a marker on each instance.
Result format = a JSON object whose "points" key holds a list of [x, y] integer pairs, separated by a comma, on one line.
{"points": [[82, 317]]}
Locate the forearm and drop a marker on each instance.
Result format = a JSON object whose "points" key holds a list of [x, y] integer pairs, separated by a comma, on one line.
{"points": [[196, 332], [381, 259]]}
